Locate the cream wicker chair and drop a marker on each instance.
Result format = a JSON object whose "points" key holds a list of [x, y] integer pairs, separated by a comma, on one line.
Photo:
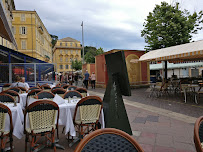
{"points": [[14, 94], [32, 94], [198, 134], [6, 98], [71, 94], [87, 118], [72, 88], [82, 91], [45, 94], [6, 86], [5, 135], [46, 87], [43, 118], [59, 91]]}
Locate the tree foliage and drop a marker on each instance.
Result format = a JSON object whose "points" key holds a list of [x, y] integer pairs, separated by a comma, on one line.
{"points": [[77, 65], [54, 40], [168, 26], [90, 55]]}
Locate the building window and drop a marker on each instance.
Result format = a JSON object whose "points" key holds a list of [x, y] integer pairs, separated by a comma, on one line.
{"points": [[76, 51], [71, 66], [66, 66], [23, 30], [66, 51], [71, 51], [66, 44], [61, 66], [61, 58], [61, 51], [66, 59], [76, 45], [22, 17], [71, 44], [13, 29], [60, 44], [23, 44]]}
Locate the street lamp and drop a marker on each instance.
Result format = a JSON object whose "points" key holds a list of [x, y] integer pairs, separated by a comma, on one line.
{"points": [[82, 44]]}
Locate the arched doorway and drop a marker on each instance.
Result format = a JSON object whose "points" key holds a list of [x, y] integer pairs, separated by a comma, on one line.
{"points": [[134, 69]]}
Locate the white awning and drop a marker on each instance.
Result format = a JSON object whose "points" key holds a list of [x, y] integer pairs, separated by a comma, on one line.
{"points": [[184, 52]]}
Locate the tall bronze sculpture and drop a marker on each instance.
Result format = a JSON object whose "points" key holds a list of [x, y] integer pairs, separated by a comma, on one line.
{"points": [[115, 115]]}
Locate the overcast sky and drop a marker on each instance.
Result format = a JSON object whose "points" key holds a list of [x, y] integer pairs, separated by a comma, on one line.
{"points": [[110, 24]]}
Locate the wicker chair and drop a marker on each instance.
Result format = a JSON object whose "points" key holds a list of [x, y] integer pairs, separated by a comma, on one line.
{"points": [[59, 91], [5, 135], [6, 86], [16, 89], [70, 94], [32, 94], [58, 85], [14, 94], [23, 90], [108, 139], [46, 87], [56, 88], [65, 86], [6, 98], [89, 110], [198, 134], [72, 88], [42, 117], [83, 91], [33, 88], [44, 94]]}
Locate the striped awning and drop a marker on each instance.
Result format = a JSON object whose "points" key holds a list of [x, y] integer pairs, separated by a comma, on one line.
{"points": [[186, 52]]}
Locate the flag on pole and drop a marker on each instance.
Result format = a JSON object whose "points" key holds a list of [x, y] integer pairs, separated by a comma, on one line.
{"points": [[82, 23]]}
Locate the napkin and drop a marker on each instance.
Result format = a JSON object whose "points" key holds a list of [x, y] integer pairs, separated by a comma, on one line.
{"points": [[58, 99]]}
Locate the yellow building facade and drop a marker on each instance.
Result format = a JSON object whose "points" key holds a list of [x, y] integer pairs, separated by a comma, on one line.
{"points": [[66, 50], [31, 35], [6, 16]]}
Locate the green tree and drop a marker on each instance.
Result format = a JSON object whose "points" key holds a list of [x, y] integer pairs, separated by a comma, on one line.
{"points": [[77, 65], [169, 26], [90, 55], [54, 40]]}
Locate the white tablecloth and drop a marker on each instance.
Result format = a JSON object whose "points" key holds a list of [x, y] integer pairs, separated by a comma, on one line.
{"points": [[17, 118], [23, 97]]}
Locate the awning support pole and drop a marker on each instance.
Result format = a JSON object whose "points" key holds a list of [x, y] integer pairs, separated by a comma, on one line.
{"points": [[166, 71]]}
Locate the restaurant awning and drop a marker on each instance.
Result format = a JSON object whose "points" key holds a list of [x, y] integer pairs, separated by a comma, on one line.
{"points": [[5, 30], [185, 52]]}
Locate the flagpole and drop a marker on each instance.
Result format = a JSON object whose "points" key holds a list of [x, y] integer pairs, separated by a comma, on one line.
{"points": [[82, 44]]}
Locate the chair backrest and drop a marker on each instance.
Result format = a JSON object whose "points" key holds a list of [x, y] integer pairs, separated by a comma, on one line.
{"points": [[33, 88], [6, 98], [59, 91], [65, 86], [72, 88], [55, 88], [4, 110], [23, 90], [32, 94], [108, 139], [83, 91], [44, 94], [71, 94], [42, 116], [14, 94], [89, 109], [198, 134], [6, 86], [58, 85], [16, 89], [46, 87]]}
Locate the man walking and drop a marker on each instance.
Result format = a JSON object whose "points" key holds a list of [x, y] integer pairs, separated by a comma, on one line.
{"points": [[86, 79]]}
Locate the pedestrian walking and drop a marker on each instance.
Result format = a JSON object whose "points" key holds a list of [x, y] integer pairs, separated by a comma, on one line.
{"points": [[86, 79], [93, 79]]}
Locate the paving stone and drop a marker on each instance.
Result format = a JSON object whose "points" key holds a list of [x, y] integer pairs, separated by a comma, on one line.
{"points": [[140, 120], [163, 149], [183, 139], [184, 146], [136, 133], [180, 150], [152, 118], [147, 147], [164, 140]]}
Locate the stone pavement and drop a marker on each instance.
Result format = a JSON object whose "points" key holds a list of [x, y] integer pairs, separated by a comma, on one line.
{"points": [[157, 129]]}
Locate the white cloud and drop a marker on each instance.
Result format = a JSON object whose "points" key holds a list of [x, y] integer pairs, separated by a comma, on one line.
{"points": [[107, 23]]}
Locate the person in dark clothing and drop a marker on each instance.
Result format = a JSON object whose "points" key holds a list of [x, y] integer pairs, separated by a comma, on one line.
{"points": [[76, 79], [86, 79]]}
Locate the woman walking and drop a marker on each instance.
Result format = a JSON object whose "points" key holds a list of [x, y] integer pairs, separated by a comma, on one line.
{"points": [[93, 78]]}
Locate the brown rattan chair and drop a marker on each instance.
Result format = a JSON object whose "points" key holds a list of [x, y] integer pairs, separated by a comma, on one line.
{"points": [[72, 88], [46, 87], [43, 120], [23, 90], [32, 94], [83, 91], [6, 86], [59, 91], [89, 112], [6, 98], [18, 90], [108, 140], [71, 94], [65, 86], [56, 88], [58, 85], [45, 94], [14, 94], [33, 88], [198, 134], [5, 135]]}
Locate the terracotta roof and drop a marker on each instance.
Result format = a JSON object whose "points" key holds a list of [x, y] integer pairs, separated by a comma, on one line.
{"points": [[69, 39]]}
